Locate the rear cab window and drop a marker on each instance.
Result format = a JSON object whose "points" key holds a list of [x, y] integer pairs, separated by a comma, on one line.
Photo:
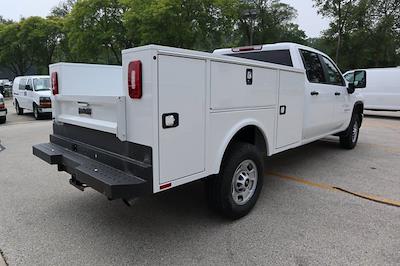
{"points": [[280, 57]]}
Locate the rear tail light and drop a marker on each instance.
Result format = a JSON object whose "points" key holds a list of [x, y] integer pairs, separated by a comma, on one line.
{"points": [[247, 48], [2, 105], [135, 79], [54, 83]]}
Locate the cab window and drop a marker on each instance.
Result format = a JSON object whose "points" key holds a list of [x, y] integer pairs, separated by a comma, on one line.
{"points": [[280, 57], [349, 77], [30, 83], [333, 75], [313, 66], [41, 84], [22, 84]]}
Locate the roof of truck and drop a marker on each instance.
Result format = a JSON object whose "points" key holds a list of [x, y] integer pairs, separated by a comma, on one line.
{"points": [[269, 47]]}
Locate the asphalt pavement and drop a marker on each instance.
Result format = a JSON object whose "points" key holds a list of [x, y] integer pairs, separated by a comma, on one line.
{"points": [[46, 221]]}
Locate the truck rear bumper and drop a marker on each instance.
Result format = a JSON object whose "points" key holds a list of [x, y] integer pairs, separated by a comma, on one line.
{"points": [[108, 173]]}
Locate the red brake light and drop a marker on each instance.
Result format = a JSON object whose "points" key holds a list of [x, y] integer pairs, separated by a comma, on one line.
{"points": [[165, 186], [54, 83], [247, 48], [135, 79]]}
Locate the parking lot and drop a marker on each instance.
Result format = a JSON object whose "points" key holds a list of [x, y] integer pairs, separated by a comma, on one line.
{"points": [[299, 219]]}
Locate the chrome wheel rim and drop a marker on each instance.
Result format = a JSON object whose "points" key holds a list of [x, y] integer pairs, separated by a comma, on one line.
{"points": [[354, 133], [244, 182]]}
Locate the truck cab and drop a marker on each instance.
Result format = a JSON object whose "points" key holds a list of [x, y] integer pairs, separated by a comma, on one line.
{"points": [[328, 101], [32, 93]]}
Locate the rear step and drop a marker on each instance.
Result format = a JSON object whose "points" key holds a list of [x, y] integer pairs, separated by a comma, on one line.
{"points": [[86, 172]]}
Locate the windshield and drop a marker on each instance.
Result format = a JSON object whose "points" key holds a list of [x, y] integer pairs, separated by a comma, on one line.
{"points": [[41, 84]]}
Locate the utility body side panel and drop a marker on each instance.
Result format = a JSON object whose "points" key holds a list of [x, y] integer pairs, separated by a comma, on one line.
{"points": [[230, 88], [181, 93]]}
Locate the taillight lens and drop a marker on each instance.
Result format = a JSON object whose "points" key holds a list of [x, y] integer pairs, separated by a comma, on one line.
{"points": [[135, 79], [54, 83], [2, 105]]}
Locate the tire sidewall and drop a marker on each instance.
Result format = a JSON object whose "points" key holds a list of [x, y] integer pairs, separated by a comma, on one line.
{"points": [[231, 163]]}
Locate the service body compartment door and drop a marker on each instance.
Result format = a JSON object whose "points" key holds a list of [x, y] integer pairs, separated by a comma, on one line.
{"points": [[290, 108], [182, 94]]}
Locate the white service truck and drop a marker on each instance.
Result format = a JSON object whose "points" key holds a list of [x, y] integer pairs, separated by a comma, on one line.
{"points": [[172, 116]]}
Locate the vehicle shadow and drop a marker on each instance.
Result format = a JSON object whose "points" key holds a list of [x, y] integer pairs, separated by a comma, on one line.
{"points": [[157, 222], [385, 117], [186, 203]]}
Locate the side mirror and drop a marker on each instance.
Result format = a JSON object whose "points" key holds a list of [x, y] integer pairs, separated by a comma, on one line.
{"points": [[351, 88], [28, 87], [360, 79]]}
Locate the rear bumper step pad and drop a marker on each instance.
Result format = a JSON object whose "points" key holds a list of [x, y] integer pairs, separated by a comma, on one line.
{"points": [[112, 182]]}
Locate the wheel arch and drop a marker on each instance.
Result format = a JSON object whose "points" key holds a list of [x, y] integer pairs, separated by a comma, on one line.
{"points": [[247, 132]]}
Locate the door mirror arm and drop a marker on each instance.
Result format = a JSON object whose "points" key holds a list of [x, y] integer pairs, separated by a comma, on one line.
{"points": [[351, 88]]}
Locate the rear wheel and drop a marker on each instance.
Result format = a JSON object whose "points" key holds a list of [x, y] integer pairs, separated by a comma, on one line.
{"points": [[3, 119], [235, 191], [350, 139], [18, 109]]}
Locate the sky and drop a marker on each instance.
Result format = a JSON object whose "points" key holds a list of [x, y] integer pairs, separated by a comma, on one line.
{"points": [[308, 18]]}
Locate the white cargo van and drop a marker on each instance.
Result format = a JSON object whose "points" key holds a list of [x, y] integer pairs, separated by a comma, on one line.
{"points": [[32, 93], [174, 116], [381, 87], [3, 110]]}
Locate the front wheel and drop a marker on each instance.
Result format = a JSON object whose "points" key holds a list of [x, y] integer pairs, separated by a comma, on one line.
{"points": [[235, 191], [36, 113], [18, 109], [350, 139]]}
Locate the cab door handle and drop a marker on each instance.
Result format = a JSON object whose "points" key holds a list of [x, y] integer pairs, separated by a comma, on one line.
{"points": [[314, 93], [337, 94]]}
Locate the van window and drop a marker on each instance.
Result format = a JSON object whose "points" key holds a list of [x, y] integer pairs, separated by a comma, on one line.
{"points": [[280, 57], [30, 83], [22, 84], [41, 84], [349, 77], [313, 66], [333, 75]]}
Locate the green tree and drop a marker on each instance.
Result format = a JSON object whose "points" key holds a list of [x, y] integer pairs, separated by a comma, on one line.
{"points": [[41, 36], [15, 54], [269, 21], [96, 32], [339, 11]]}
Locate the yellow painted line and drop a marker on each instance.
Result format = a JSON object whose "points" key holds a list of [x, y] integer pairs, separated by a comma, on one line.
{"points": [[334, 188], [302, 181]]}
